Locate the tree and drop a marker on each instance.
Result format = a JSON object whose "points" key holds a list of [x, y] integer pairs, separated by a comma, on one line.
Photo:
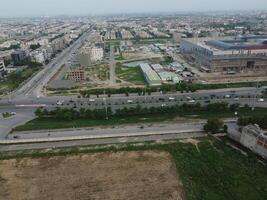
{"points": [[39, 113], [35, 46], [213, 125], [225, 128]]}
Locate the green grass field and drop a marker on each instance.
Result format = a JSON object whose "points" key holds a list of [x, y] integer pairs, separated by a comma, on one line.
{"points": [[130, 74], [212, 171], [50, 123]]}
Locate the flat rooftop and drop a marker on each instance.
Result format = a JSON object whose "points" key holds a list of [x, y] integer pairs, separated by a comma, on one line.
{"points": [[240, 43]]}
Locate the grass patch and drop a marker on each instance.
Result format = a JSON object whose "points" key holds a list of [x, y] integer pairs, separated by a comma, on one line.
{"points": [[227, 114], [213, 171], [15, 79], [130, 74], [51, 123]]}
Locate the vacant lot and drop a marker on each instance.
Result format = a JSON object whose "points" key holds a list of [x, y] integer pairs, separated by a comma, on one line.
{"points": [[125, 175]]}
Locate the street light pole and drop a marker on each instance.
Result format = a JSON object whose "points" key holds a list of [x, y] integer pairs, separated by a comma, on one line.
{"points": [[255, 96], [105, 104]]}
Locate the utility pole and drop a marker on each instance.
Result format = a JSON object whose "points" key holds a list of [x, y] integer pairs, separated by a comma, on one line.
{"points": [[105, 104], [255, 96]]}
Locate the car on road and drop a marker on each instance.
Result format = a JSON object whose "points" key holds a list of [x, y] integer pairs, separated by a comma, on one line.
{"points": [[91, 100], [171, 98], [191, 101], [227, 96], [129, 101], [59, 103], [261, 100], [236, 99]]}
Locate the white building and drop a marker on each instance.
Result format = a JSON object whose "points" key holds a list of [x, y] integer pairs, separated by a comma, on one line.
{"points": [[97, 54], [38, 56], [252, 137], [170, 77]]}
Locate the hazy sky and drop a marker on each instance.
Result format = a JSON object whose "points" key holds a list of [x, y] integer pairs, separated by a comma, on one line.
{"points": [[9, 8]]}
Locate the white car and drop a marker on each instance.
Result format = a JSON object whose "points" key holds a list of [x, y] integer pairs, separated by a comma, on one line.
{"points": [[236, 99], [261, 100], [192, 101], [163, 105], [227, 96], [130, 101], [171, 98], [91, 100], [60, 103]]}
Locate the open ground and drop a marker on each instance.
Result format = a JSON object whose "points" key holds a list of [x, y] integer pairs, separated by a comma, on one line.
{"points": [[124, 175]]}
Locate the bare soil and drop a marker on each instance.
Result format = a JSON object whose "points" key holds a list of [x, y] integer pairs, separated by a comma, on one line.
{"points": [[124, 175]]}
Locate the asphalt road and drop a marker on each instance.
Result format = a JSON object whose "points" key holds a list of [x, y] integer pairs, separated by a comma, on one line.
{"points": [[157, 138], [98, 132], [25, 107]]}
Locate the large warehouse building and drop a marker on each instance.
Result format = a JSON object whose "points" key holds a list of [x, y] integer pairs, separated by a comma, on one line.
{"points": [[242, 54]]}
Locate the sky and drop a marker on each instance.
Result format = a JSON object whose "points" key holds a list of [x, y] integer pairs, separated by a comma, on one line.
{"points": [[28, 8]]}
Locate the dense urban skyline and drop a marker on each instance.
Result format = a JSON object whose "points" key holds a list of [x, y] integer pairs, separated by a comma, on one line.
{"points": [[16, 8]]}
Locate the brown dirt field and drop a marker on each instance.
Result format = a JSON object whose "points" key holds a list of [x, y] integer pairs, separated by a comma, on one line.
{"points": [[124, 175]]}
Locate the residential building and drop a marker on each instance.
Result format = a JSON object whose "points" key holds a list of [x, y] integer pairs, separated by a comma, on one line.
{"points": [[38, 56], [57, 44], [89, 55], [18, 56]]}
